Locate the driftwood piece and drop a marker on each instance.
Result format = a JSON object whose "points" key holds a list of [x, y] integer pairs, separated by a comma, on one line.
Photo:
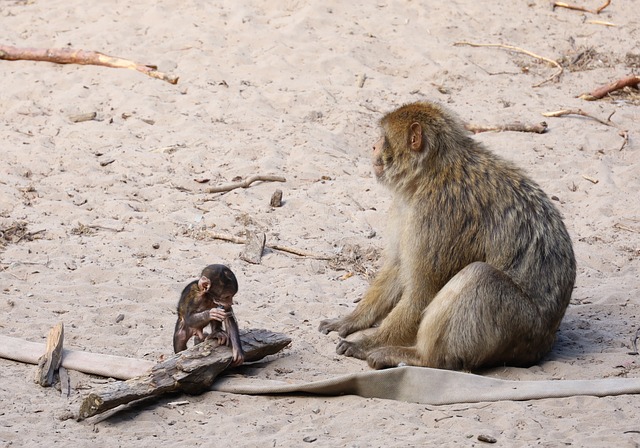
{"points": [[253, 247], [245, 183], [601, 92], [49, 363], [192, 371], [81, 57], [539, 128]]}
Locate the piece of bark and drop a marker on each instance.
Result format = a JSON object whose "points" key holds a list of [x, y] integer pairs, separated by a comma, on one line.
{"points": [[192, 371], [276, 199], [49, 363], [253, 247]]}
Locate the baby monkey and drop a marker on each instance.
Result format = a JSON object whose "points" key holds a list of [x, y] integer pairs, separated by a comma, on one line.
{"points": [[208, 301]]}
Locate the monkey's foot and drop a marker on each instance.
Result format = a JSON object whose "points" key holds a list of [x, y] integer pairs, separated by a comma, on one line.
{"points": [[385, 357], [343, 326], [220, 336], [351, 348]]}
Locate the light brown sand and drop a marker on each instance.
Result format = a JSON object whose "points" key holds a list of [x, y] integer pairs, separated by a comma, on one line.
{"points": [[271, 87]]}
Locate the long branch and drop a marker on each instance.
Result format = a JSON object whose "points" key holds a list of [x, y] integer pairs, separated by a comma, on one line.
{"points": [[291, 250], [81, 57], [246, 183]]}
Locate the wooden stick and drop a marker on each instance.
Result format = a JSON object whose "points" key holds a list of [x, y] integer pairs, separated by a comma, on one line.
{"points": [[523, 51], [601, 92], [245, 183], [582, 8], [291, 250], [561, 113], [539, 128], [621, 132], [112, 366], [192, 371], [81, 57], [600, 22], [49, 363]]}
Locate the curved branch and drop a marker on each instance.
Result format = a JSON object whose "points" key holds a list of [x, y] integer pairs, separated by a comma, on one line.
{"points": [[245, 183]]}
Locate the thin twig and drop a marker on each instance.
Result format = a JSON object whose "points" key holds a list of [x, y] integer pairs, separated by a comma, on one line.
{"points": [[625, 138], [561, 113], [582, 8], [520, 50], [635, 343], [291, 250], [245, 183], [601, 92], [600, 22], [81, 57], [621, 132], [539, 128], [629, 229], [590, 179]]}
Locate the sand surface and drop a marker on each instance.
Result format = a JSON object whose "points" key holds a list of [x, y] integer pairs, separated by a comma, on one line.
{"points": [[106, 217]]}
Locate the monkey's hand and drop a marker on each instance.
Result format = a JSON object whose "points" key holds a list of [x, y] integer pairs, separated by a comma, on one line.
{"points": [[354, 349], [342, 325], [385, 357], [217, 314], [238, 357]]}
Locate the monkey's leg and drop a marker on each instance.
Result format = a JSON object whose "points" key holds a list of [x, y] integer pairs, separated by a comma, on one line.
{"points": [[181, 336], [399, 328], [479, 318], [379, 299]]}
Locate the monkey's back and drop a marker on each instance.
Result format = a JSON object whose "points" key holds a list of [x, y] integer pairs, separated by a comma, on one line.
{"points": [[483, 208]]}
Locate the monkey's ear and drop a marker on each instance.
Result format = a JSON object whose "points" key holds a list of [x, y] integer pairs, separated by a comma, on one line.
{"points": [[204, 283], [415, 137]]}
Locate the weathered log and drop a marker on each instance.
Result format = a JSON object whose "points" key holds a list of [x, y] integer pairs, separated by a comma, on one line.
{"points": [[192, 371]]}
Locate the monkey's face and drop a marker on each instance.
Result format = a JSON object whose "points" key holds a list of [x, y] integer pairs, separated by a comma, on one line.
{"points": [[377, 160]]}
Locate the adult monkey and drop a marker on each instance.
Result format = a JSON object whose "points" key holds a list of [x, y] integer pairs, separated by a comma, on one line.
{"points": [[479, 266]]}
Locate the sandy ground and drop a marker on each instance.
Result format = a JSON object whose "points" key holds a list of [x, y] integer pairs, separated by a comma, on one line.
{"points": [[106, 217]]}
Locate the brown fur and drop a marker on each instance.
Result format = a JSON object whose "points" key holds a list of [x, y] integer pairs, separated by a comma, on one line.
{"points": [[209, 302], [479, 267]]}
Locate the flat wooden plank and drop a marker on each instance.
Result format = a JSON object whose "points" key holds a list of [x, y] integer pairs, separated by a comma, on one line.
{"points": [[118, 367]]}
